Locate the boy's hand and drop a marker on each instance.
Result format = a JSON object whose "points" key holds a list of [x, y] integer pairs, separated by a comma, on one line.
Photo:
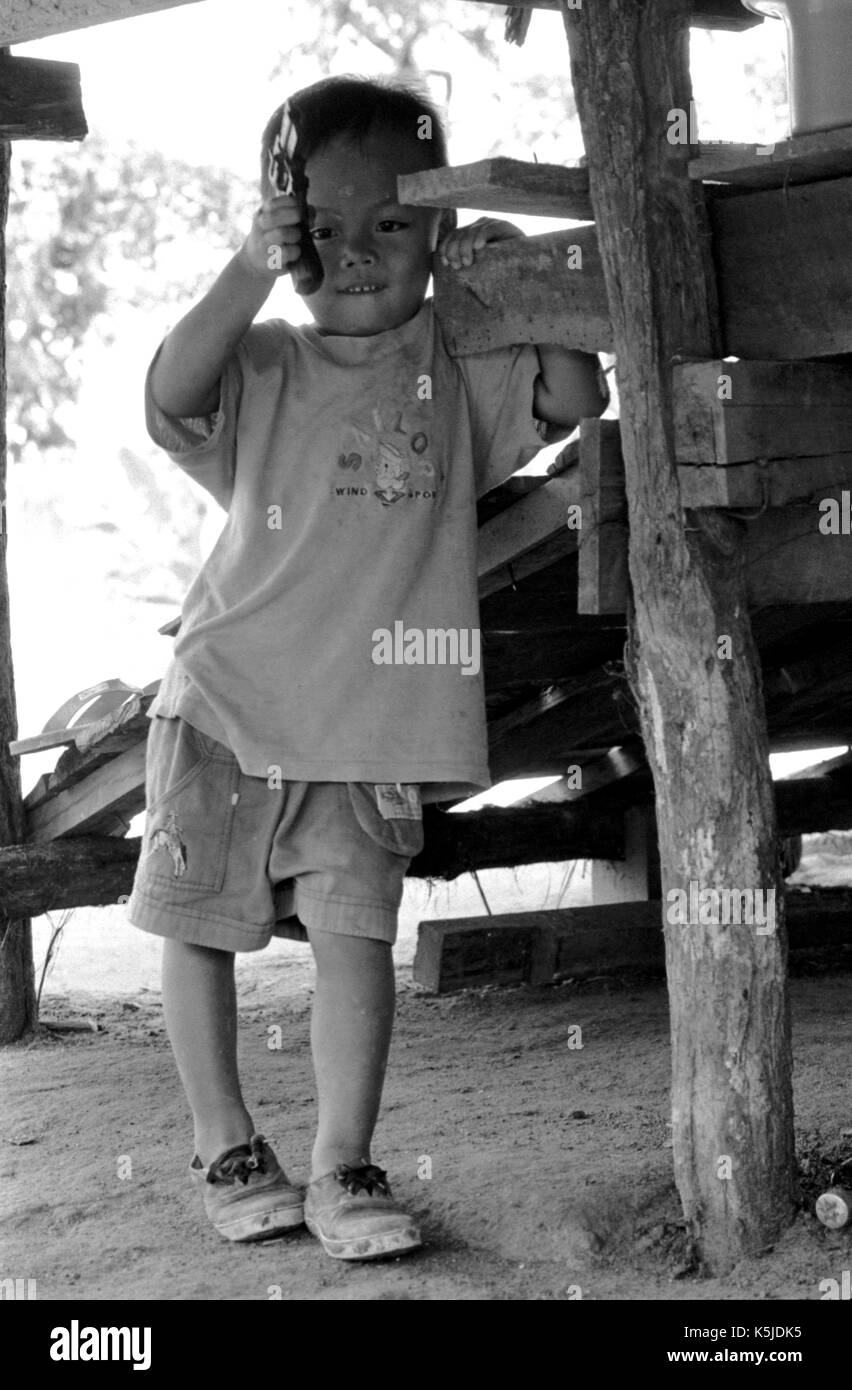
{"points": [[460, 247], [272, 245]]}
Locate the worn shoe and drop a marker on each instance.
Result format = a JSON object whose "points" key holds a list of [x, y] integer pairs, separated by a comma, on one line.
{"points": [[354, 1216], [247, 1194]]}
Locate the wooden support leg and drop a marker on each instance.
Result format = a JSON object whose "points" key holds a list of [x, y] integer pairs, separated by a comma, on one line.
{"points": [[691, 658], [17, 980]]}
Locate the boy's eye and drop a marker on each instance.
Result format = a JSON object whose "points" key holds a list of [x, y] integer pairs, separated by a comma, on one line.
{"points": [[389, 223], [320, 233]]}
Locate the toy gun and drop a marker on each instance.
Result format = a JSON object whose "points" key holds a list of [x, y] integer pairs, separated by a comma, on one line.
{"points": [[287, 175]]}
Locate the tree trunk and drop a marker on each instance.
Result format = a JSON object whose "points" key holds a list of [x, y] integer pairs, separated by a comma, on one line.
{"points": [[17, 981], [700, 699]]}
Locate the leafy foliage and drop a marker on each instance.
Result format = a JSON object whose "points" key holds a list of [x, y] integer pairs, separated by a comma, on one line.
{"points": [[89, 230]]}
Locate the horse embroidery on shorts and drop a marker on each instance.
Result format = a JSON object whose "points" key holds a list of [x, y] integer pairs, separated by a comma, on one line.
{"points": [[169, 838]]}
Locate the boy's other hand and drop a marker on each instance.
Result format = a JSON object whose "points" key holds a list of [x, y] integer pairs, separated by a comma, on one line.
{"points": [[459, 248], [272, 245]]}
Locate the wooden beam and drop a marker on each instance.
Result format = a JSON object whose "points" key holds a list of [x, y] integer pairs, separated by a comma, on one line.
{"points": [[703, 14], [821, 154], [513, 661], [807, 805], [40, 100], [762, 485], [535, 947], [593, 828], [17, 977], [540, 519], [501, 837], [114, 792], [539, 289], [784, 281], [602, 574], [83, 871], [25, 20], [734, 412], [595, 773], [703, 721], [788, 559], [503, 185], [562, 190], [87, 870], [539, 739]]}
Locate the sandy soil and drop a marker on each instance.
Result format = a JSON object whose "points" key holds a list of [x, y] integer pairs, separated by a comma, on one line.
{"points": [[539, 1172]]}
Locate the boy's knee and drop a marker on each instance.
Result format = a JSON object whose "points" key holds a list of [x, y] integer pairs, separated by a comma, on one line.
{"points": [[334, 950]]}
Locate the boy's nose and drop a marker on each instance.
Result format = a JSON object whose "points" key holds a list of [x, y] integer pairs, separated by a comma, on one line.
{"points": [[358, 251]]}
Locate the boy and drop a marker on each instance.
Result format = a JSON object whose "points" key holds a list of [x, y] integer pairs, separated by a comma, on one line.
{"points": [[288, 751]]}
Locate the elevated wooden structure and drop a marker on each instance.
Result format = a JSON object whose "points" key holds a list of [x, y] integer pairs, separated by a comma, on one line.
{"points": [[717, 512]]}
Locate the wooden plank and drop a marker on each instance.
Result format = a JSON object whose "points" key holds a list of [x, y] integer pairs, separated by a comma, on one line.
{"points": [[821, 154], [503, 185], [25, 20], [789, 560], [87, 733], [785, 282], [539, 738], [615, 765], [704, 14], [97, 744], [735, 412], [515, 661], [610, 939], [526, 291], [539, 518], [117, 789], [771, 484], [602, 573], [562, 190], [40, 100], [83, 871], [544, 555]]}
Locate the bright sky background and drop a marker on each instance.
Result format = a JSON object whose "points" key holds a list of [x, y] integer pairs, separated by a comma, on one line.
{"points": [[194, 81]]}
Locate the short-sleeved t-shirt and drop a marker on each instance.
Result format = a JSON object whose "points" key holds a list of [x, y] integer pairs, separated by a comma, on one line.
{"points": [[333, 632]]}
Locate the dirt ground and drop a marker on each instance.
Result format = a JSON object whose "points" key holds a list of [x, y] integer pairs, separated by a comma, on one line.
{"points": [[540, 1172]]}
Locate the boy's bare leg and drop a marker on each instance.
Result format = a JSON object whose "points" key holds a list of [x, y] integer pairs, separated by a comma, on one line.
{"points": [[200, 1005], [350, 1038]]}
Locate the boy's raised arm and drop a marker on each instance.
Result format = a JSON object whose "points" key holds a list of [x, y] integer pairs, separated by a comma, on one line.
{"points": [[185, 377]]}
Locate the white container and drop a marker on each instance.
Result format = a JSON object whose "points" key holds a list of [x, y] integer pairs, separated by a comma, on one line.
{"points": [[819, 59]]}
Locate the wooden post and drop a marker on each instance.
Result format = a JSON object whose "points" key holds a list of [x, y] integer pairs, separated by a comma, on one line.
{"points": [[17, 981], [702, 714]]}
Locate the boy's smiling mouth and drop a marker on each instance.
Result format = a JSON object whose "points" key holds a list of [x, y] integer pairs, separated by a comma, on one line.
{"points": [[361, 289]]}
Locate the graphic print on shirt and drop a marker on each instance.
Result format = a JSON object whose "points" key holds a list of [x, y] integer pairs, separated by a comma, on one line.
{"points": [[393, 446]]}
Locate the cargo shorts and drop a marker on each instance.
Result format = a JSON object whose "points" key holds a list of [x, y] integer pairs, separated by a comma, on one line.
{"points": [[229, 861]]}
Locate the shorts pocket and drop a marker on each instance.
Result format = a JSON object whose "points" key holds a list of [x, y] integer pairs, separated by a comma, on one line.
{"points": [[192, 786], [401, 834]]}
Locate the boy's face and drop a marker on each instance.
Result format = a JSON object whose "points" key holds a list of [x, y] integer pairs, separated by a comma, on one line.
{"points": [[366, 238]]}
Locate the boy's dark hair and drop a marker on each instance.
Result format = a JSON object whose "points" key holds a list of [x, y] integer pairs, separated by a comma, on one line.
{"points": [[353, 107]]}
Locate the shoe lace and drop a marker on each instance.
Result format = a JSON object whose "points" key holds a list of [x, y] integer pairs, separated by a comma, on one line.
{"points": [[238, 1164], [364, 1177]]}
